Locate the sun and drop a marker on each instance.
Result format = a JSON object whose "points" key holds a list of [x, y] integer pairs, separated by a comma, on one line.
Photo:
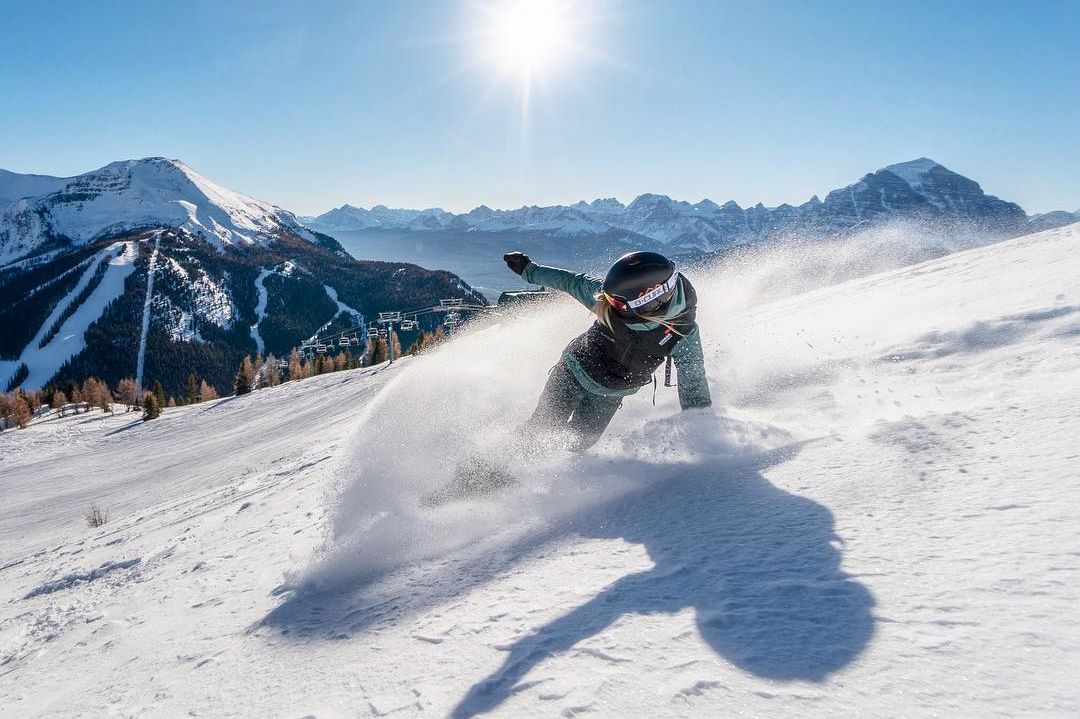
{"points": [[528, 38], [536, 51]]}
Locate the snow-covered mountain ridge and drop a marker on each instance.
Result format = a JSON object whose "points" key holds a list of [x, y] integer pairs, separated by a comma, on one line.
{"points": [[921, 190], [880, 519], [185, 292], [126, 196]]}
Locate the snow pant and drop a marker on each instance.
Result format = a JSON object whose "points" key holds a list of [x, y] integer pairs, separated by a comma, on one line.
{"points": [[566, 406]]}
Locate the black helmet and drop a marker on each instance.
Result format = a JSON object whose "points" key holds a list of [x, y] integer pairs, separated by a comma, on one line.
{"points": [[640, 283]]}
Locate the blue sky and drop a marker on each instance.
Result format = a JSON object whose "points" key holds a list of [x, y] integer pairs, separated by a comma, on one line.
{"points": [[310, 105]]}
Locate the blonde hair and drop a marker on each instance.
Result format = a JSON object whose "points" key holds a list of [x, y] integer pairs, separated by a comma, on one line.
{"points": [[603, 311]]}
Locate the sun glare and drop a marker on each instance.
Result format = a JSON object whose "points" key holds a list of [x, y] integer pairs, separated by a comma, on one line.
{"points": [[527, 38], [539, 50]]}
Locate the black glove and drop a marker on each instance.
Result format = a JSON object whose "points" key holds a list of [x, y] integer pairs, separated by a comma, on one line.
{"points": [[517, 261]]}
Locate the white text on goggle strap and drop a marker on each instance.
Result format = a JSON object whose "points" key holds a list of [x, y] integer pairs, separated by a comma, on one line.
{"points": [[658, 291]]}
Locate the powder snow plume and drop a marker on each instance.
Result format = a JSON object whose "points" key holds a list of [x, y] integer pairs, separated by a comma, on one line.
{"points": [[469, 398]]}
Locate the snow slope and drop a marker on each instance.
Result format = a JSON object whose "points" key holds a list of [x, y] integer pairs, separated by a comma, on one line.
{"points": [[151, 270], [260, 307], [43, 362], [880, 518]]}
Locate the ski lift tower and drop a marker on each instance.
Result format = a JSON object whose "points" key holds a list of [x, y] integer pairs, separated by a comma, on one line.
{"points": [[390, 319]]}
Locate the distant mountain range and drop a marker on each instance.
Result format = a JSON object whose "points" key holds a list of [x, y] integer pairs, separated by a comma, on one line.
{"points": [[145, 266], [920, 190]]}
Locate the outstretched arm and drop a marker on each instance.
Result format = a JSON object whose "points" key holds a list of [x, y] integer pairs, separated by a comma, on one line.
{"points": [[690, 361], [581, 287]]}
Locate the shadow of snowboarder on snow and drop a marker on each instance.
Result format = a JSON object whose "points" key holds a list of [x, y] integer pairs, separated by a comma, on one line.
{"points": [[756, 563]]}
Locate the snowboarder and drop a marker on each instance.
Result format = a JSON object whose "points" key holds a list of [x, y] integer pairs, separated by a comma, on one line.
{"points": [[645, 314]]}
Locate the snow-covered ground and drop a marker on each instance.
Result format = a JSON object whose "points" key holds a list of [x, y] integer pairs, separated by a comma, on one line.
{"points": [[880, 518]]}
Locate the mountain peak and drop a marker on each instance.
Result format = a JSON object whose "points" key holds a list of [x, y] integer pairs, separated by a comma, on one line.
{"points": [[649, 199], [913, 171], [607, 203], [148, 162], [135, 194]]}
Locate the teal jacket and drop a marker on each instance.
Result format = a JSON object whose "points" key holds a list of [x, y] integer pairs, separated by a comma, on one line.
{"points": [[687, 355]]}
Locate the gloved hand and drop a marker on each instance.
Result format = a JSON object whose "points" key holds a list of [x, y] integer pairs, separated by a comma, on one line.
{"points": [[517, 261]]}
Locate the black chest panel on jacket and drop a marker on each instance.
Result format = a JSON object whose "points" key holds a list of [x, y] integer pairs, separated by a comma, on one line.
{"points": [[621, 358]]}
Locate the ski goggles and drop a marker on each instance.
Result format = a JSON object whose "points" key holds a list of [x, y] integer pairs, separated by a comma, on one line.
{"points": [[647, 302]]}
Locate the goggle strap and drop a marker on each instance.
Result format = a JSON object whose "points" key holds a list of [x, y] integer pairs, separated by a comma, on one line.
{"points": [[659, 291]]}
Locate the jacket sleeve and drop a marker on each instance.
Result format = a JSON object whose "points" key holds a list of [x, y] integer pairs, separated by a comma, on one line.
{"points": [[581, 287], [690, 362]]}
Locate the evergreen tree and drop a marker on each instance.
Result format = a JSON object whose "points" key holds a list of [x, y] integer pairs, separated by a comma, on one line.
{"points": [[152, 409], [395, 343], [192, 389], [172, 402], [257, 372], [19, 377], [159, 393], [245, 377]]}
